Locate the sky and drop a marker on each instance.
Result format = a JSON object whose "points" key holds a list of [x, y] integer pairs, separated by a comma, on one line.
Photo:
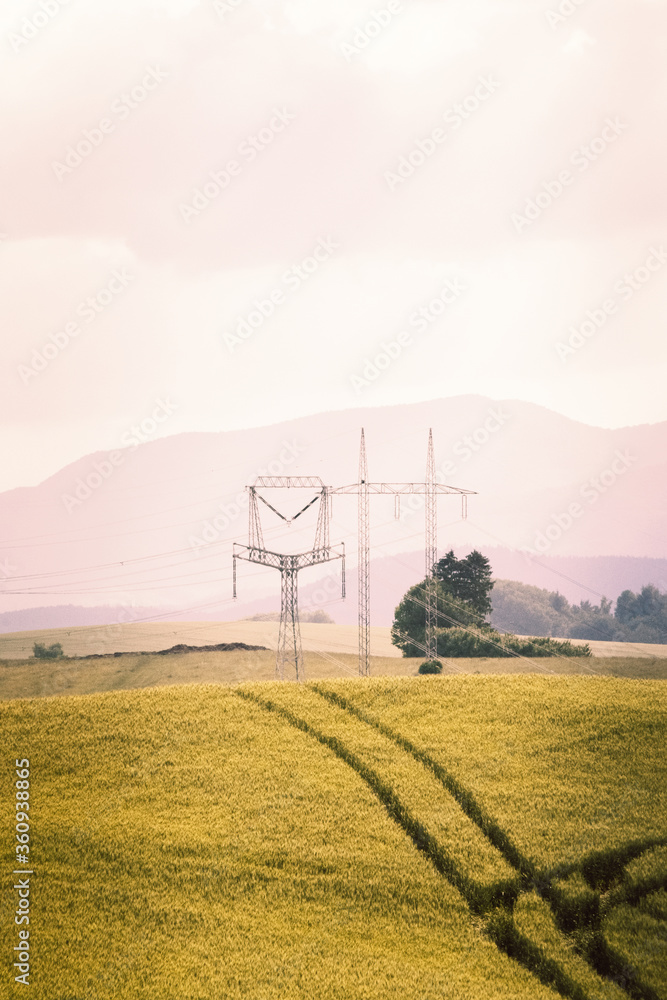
{"points": [[243, 211]]}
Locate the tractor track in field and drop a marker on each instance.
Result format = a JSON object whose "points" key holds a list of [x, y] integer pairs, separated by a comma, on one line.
{"points": [[578, 918]]}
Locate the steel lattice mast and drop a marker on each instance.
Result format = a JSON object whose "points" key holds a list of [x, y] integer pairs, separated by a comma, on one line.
{"points": [[431, 554], [364, 616], [289, 638], [289, 651], [430, 489]]}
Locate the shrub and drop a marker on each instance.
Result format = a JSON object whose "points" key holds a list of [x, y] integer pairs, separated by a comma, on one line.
{"points": [[408, 631], [430, 667], [488, 642], [42, 652]]}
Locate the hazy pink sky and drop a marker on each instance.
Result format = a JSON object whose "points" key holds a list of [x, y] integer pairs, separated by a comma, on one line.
{"points": [[169, 91]]}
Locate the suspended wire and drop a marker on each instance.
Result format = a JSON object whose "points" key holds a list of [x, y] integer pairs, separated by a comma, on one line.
{"points": [[376, 547], [126, 562], [164, 615], [570, 579], [424, 649], [478, 635], [135, 517], [272, 531], [164, 582], [191, 475]]}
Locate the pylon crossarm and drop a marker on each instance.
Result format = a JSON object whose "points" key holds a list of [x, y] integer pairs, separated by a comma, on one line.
{"points": [[254, 555], [400, 488], [280, 560], [288, 482]]}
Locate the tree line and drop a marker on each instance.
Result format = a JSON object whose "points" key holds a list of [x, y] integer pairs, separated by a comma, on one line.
{"points": [[463, 604], [637, 617]]}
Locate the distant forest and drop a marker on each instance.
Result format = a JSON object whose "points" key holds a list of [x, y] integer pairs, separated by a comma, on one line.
{"points": [[526, 610]]}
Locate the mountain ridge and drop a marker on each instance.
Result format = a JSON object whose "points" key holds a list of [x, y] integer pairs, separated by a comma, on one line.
{"points": [[130, 537]]}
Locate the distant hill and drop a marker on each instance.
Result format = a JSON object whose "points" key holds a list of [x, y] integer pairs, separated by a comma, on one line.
{"points": [[63, 615], [637, 617], [154, 528], [577, 579]]}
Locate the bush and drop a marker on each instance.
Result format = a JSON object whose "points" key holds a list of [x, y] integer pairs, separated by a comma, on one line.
{"points": [[318, 617], [42, 652], [430, 667], [408, 631], [488, 642]]}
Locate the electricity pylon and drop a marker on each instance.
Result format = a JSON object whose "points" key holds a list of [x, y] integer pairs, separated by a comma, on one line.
{"points": [[289, 652], [431, 554], [363, 548], [430, 488]]}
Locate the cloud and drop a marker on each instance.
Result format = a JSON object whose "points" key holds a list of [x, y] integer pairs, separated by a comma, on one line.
{"points": [[221, 80]]}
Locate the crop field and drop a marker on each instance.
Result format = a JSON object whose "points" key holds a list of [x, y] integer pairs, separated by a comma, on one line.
{"points": [[45, 678], [468, 837], [128, 637]]}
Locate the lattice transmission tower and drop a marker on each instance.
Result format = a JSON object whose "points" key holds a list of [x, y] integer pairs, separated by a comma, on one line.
{"points": [[289, 652], [363, 555], [430, 489], [431, 553]]}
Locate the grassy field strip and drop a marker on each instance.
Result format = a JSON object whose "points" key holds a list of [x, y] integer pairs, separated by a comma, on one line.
{"points": [[573, 902], [488, 827], [82, 640], [353, 744], [30, 678], [191, 845], [409, 791], [655, 904], [642, 942], [543, 757], [643, 875], [573, 909], [534, 919], [45, 678], [539, 942]]}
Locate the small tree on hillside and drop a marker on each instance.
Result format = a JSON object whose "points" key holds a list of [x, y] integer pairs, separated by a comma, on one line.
{"points": [[42, 652], [468, 579], [408, 631]]}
